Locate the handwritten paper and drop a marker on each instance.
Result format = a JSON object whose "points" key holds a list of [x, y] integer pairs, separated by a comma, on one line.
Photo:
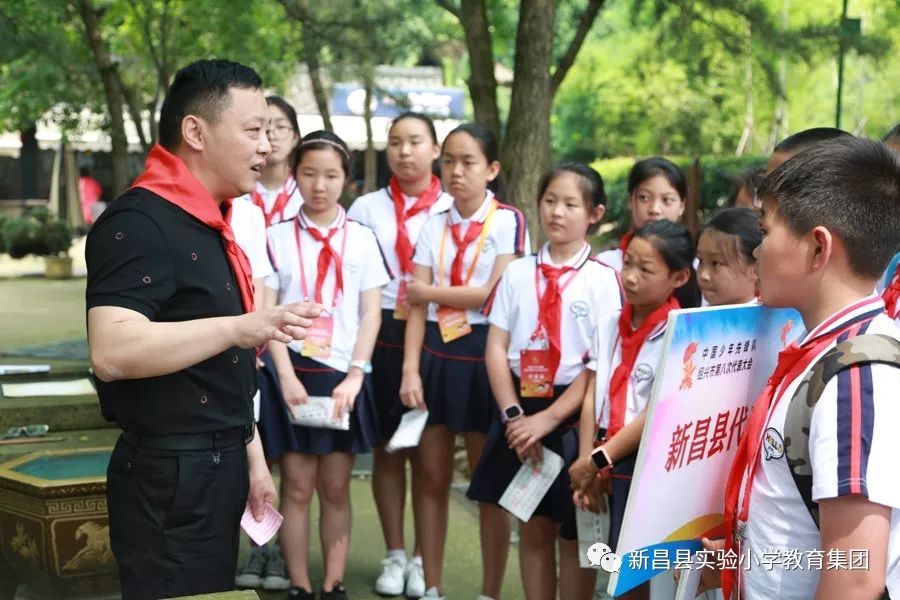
{"points": [[592, 528], [318, 411], [261, 531], [409, 432], [77, 387], [529, 486]]}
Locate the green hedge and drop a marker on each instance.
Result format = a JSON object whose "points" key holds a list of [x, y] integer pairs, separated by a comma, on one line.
{"points": [[717, 177]]}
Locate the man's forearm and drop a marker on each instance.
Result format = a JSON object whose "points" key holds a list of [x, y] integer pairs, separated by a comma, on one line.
{"points": [[256, 458], [134, 349]]}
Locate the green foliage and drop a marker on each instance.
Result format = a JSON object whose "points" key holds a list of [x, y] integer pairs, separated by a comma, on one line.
{"points": [[38, 233]]}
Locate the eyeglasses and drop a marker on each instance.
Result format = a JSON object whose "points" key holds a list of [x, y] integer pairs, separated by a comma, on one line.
{"points": [[26, 431], [279, 132]]}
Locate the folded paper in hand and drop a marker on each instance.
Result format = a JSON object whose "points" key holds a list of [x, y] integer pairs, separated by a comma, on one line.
{"points": [[409, 432], [261, 531], [318, 411], [529, 487]]}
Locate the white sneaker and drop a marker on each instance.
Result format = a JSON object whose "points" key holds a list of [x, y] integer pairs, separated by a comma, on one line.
{"points": [[415, 578], [433, 594], [391, 580]]}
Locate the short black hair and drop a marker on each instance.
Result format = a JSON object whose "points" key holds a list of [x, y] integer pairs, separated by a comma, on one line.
{"points": [[487, 141], [657, 165], [741, 223], [892, 136], [803, 139], [675, 244], [202, 89], [849, 185], [429, 124], [323, 140], [590, 184]]}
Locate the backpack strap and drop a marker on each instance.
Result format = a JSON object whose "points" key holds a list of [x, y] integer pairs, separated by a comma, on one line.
{"points": [[859, 350]]}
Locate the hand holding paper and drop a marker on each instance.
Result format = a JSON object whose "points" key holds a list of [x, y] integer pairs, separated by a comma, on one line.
{"points": [[261, 531], [409, 432], [529, 486], [319, 411]]}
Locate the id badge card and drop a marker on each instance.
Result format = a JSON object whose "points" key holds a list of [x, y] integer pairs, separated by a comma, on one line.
{"points": [[401, 312], [453, 323], [317, 343], [537, 374]]}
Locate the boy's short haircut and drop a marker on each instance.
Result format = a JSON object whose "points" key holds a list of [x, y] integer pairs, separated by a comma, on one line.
{"points": [[803, 139], [849, 185]]}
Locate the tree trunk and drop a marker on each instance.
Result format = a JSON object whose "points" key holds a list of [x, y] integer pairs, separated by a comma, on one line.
{"points": [[112, 90], [482, 83], [311, 57], [526, 146], [371, 167]]}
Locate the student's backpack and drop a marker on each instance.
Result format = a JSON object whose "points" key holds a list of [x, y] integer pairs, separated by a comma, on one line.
{"points": [[859, 350]]}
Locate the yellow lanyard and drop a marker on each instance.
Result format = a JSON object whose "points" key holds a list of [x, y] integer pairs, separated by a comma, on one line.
{"points": [[481, 238]]}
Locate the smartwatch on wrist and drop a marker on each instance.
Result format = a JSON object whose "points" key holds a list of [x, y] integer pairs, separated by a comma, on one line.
{"points": [[363, 365], [601, 458], [511, 413]]}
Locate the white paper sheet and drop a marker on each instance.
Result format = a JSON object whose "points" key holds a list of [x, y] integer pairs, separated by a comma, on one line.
{"points": [[77, 387], [23, 369], [318, 412], [409, 432], [529, 487], [592, 528]]}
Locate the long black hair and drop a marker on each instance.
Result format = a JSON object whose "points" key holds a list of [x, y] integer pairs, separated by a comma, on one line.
{"points": [[676, 246], [590, 184]]}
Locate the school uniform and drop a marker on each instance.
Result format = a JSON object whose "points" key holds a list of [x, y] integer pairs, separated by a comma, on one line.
{"points": [[362, 268], [613, 257], [588, 294], [249, 226], [377, 210], [282, 204], [454, 377], [853, 448], [605, 356], [890, 290]]}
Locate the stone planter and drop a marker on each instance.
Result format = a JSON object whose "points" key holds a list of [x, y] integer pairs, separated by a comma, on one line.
{"points": [[58, 267], [54, 528]]}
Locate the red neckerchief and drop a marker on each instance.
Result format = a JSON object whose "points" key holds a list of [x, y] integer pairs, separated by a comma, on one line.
{"points": [[462, 242], [624, 241], [327, 256], [425, 201], [550, 302], [632, 342], [792, 361], [281, 201], [891, 295], [167, 176]]}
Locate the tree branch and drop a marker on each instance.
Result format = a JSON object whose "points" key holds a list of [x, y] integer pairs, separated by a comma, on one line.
{"points": [[585, 22], [449, 7]]}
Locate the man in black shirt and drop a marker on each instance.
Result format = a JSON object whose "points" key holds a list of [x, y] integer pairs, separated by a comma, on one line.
{"points": [[172, 333]]}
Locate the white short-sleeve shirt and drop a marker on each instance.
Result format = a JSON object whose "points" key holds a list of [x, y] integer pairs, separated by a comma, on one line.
{"points": [[613, 258], [589, 295], [853, 448], [269, 197], [376, 210], [606, 355], [364, 268], [507, 235], [249, 227]]}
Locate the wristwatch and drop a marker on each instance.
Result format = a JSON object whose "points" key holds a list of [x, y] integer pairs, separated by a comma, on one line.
{"points": [[601, 458], [511, 413], [363, 365]]}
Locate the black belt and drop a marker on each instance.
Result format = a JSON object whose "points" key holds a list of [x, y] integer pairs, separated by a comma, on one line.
{"points": [[192, 441]]}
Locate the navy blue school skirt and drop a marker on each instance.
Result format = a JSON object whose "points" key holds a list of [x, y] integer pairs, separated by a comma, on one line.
{"points": [[499, 465], [387, 374], [455, 381], [622, 472], [279, 435]]}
